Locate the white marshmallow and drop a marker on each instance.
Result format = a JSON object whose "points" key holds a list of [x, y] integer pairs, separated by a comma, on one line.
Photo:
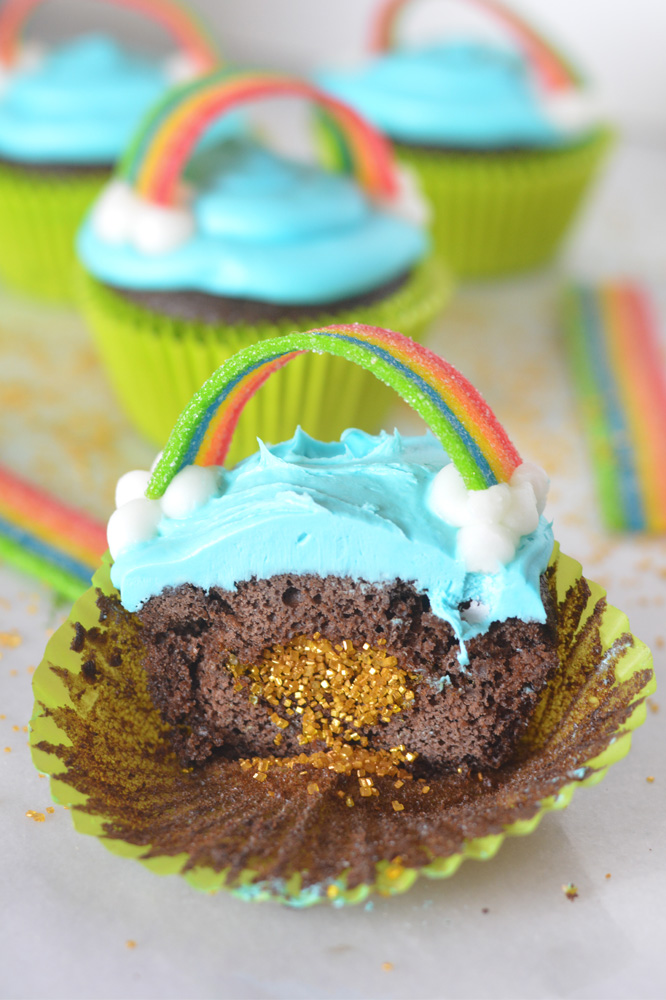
{"points": [[134, 522], [158, 229], [485, 548], [532, 473], [180, 67], [573, 110], [522, 517], [192, 487], [131, 486], [489, 506], [114, 212], [449, 496], [409, 203]]}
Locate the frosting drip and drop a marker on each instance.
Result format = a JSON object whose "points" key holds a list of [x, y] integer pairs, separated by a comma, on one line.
{"points": [[359, 507], [454, 93], [264, 228], [81, 101]]}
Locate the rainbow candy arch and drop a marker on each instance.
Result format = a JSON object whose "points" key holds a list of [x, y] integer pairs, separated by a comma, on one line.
{"points": [[181, 24], [154, 162], [554, 71], [456, 413]]}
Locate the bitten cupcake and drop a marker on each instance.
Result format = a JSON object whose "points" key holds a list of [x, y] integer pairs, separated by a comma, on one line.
{"points": [[335, 666], [189, 256], [502, 139], [66, 114]]}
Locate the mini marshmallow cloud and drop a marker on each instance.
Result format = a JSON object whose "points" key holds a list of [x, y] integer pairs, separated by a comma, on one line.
{"points": [[137, 519], [573, 110], [121, 216], [491, 522], [410, 203]]}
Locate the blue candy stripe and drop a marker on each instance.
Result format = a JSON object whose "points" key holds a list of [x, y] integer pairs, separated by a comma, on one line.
{"points": [[48, 553]]}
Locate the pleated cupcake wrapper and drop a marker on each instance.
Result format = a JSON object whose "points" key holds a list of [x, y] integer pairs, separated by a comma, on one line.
{"points": [[582, 725], [39, 216], [155, 363], [500, 213]]}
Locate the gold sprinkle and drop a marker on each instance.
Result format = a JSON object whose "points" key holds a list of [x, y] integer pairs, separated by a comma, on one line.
{"points": [[570, 891], [260, 775], [10, 639], [3, 716], [24, 729], [608, 874], [398, 784], [650, 779], [395, 871], [387, 966], [130, 944], [349, 800], [332, 891], [313, 788], [13, 673], [50, 809], [653, 706], [36, 816], [8, 749], [425, 789], [16, 729], [398, 806], [31, 670]]}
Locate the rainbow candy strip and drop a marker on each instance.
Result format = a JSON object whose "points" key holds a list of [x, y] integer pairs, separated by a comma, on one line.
{"points": [[45, 538], [618, 370], [455, 411], [180, 22], [155, 160], [553, 69]]}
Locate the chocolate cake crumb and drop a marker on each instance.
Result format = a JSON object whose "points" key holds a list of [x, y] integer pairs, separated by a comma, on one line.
{"points": [[465, 716]]}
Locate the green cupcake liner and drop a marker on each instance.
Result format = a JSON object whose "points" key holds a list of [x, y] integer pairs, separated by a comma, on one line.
{"points": [[124, 786], [495, 214], [156, 363], [40, 213]]}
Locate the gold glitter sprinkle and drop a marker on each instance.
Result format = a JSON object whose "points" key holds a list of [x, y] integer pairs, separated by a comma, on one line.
{"points": [[398, 806], [425, 789], [130, 944], [395, 871], [31, 670], [387, 966], [16, 729], [24, 729], [13, 673], [608, 874], [3, 716], [36, 816], [50, 809], [349, 800], [332, 891], [8, 749], [313, 788], [650, 779], [570, 891], [10, 639]]}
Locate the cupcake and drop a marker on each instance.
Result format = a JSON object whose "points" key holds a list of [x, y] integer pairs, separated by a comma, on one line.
{"points": [[66, 114], [189, 256], [334, 666], [503, 140]]}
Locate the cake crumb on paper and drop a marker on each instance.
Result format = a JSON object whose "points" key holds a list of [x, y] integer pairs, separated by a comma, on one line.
{"points": [[570, 891], [653, 706]]}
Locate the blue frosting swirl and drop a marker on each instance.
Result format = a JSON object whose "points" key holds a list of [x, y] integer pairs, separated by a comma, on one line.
{"points": [[456, 93], [357, 508], [80, 104], [267, 229]]}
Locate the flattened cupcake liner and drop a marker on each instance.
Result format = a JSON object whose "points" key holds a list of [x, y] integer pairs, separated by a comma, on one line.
{"points": [[497, 213], [97, 734], [40, 213], [155, 363]]}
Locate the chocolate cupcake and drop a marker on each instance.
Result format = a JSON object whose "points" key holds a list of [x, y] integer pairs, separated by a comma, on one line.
{"points": [[334, 666], [178, 275], [504, 141], [66, 114]]}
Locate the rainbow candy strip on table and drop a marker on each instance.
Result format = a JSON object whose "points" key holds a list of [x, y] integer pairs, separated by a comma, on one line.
{"points": [[47, 539], [618, 368], [553, 69]]}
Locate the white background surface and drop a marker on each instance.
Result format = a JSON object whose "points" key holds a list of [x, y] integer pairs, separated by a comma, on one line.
{"points": [[68, 907]]}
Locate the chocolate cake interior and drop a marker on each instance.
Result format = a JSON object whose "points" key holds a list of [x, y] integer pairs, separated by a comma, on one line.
{"points": [[276, 668]]}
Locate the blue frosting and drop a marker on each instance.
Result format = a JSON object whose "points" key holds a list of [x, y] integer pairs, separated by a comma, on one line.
{"points": [[80, 104], [267, 229], [456, 93], [357, 508]]}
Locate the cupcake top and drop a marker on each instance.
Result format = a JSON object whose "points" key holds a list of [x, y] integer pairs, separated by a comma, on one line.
{"points": [[263, 228], [240, 221], [370, 508], [79, 102], [463, 93], [457, 94]]}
